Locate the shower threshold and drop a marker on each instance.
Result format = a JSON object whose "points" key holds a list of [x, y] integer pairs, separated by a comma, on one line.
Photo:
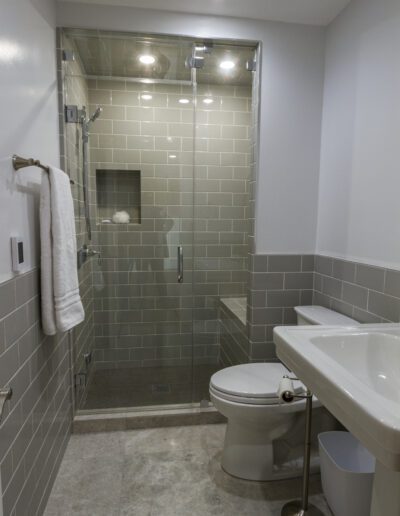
{"points": [[111, 420]]}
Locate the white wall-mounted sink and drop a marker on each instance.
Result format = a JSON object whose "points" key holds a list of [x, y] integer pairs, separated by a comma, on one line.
{"points": [[355, 373]]}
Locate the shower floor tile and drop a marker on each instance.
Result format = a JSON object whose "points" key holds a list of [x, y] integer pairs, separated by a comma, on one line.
{"points": [[142, 386], [163, 472]]}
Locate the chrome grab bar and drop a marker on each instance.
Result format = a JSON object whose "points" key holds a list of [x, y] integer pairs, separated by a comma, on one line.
{"points": [[180, 264]]}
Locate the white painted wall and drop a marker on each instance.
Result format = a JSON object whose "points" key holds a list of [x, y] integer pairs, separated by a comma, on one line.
{"points": [[359, 197], [291, 106], [312, 12], [29, 118]]}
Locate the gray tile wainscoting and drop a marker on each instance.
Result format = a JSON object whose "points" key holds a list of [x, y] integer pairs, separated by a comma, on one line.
{"points": [[233, 339], [277, 283], [367, 293], [37, 420]]}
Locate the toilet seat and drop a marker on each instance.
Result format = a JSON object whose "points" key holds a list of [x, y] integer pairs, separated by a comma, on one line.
{"points": [[255, 383]]}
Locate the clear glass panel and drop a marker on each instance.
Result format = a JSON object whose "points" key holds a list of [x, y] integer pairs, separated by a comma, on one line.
{"points": [[222, 173], [141, 210]]}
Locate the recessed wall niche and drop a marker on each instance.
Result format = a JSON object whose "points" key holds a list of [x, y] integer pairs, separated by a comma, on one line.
{"points": [[118, 194]]}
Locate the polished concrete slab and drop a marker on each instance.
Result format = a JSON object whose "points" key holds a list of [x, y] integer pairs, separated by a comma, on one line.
{"points": [[144, 386], [162, 472]]}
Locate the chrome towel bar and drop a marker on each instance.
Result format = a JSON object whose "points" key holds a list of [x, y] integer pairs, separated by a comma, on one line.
{"points": [[19, 162]]}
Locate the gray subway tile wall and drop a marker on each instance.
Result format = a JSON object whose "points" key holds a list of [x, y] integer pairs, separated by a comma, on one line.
{"points": [[367, 293], [277, 283], [233, 338], [155, 136], [37, 420]]}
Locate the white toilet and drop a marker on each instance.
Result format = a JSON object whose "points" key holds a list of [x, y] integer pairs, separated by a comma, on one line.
{"points": [[246, 395]]}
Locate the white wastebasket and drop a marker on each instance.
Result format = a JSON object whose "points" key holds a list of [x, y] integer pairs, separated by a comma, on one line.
{"points": [[347, 473]]}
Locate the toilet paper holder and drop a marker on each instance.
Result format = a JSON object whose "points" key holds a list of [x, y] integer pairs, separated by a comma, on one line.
{"points": [[5, 394], [289, 395]]}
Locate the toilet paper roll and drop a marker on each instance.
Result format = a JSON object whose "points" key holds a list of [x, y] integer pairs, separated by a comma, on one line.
{"points": [[286, 390]]}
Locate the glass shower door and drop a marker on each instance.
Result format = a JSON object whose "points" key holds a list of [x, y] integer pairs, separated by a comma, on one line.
{"points": [[143, 286], [222, 187]]}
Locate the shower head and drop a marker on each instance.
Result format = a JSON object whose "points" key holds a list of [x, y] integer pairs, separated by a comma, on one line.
{"points": [[87, 121], [96, 114]]}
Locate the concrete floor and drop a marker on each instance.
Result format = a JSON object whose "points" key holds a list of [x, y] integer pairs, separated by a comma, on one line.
{"points": [[162, 472]]}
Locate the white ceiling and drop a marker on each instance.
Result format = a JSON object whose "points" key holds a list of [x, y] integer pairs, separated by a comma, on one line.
{"points": [[314, 12]]}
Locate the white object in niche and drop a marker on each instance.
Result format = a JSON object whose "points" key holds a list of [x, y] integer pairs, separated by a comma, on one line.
{"points": [[121, 217]]}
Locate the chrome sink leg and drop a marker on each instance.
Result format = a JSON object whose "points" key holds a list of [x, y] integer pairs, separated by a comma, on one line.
{"points": [[302, 507]]}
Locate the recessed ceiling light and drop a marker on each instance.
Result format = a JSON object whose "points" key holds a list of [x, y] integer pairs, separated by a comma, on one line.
{"points": [[147, 59], [172, 156], [227, 64], [183, 101], [208, 100], [146, 96]]}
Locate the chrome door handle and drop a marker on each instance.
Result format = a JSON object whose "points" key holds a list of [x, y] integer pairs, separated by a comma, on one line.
{"points": [[5, 394], [180, 264]]}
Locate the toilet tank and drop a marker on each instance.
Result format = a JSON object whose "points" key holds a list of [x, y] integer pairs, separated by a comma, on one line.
{"points": [[322, 315]]}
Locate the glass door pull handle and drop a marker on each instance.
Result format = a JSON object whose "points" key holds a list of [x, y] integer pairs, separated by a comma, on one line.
{"points": [[180, 264]]}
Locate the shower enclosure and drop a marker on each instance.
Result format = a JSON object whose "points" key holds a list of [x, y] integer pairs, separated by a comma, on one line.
{"points": [[166, 195]]}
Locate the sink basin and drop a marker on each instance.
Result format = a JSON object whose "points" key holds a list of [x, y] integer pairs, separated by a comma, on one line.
{"points": [[355, 372], [373, 358]]}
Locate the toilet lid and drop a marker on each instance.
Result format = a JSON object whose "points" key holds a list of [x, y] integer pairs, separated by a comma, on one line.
{"points": [[257, 380]]}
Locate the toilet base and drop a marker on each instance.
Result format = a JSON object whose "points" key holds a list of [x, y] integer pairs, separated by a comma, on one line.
{"points": [[241, 459], [256, 461]]}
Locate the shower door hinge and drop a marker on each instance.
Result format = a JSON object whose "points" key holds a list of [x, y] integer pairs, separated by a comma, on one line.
{"points": [[194, 62], [80, 380], [251, 65], [71, 114], [68, 55]]}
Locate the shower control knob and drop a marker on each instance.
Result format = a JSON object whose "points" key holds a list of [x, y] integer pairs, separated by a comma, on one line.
{"points": [[85, 253], [91, 252]]}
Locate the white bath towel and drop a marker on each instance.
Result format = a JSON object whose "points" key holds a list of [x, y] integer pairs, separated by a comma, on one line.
{"points": [[61, 303]]}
